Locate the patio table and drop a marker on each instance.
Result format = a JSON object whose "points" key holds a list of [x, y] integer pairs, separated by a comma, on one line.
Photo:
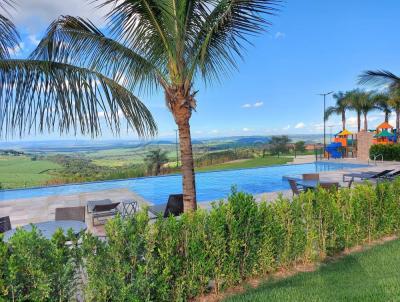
{"points": [[92, 203], [312, 184], [48, 228]]}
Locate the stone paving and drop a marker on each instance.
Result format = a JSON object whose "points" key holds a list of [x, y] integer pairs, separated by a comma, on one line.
{"points": [[24, 211]]}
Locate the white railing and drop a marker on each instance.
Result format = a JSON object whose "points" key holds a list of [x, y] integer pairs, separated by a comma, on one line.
{"points": [[376, 157]]}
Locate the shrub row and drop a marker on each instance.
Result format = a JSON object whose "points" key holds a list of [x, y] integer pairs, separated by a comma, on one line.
{"points": [[177, 259], [389, 152]]}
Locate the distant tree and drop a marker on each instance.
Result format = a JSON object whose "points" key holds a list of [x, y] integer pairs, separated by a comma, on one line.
{"points": [[155, 159], [300, 146], [382, 101], [279, 144]]}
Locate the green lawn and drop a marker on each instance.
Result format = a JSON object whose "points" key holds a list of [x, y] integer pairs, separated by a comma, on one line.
{"points": [[20, 171], [373, 275], [248, 163]]}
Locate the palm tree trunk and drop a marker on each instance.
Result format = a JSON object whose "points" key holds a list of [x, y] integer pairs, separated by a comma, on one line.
{"points": [[344, 120], [397, 124], [365, 122], [386, 117], [358, 121], [188, 176], [182, 113]]}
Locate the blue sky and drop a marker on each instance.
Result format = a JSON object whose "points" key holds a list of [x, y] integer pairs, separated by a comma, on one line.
{"points": [[312, 47]]}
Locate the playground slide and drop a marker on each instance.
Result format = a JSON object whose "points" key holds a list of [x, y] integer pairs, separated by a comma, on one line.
{"points": [[334, 150]]}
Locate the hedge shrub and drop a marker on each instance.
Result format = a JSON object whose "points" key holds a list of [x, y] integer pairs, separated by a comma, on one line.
{"points": [[389, 152], [178, 259]]}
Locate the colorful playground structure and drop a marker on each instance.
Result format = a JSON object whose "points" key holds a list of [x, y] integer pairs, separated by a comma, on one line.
{"points": [[344, 143]]}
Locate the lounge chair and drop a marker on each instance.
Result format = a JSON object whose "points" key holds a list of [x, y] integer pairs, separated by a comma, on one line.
{"points": [[104, 210], [92, 203], [71, 213], [392, 176], [367, 175], [5, 224], [173, 207], [296, 190], [310, 176]]}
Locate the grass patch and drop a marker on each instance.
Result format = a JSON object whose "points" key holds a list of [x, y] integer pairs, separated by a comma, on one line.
{"points": [[21, 171], [248, 163], [373, 275]]}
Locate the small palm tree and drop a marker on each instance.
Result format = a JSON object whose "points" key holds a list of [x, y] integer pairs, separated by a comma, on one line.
{"points": [[342, 104], [368, 103], [152, 44], [155, 159], [391, 82]]}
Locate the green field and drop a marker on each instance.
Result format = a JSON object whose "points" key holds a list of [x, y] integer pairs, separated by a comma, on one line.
{"points": [[21, 171], [373, 275], [248, 163]]}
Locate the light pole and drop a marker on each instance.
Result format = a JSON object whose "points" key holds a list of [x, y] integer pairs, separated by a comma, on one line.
{"points": [[324, 95]]}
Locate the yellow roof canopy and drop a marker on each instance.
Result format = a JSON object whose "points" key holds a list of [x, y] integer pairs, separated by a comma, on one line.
{"points": [[345, 132]]}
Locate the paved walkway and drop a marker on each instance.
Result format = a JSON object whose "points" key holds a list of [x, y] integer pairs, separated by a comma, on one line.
{"points": [[25, 211]]}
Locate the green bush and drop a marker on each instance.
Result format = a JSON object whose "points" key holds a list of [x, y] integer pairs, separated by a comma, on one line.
{"points": [[178, 259], [389, 152]]}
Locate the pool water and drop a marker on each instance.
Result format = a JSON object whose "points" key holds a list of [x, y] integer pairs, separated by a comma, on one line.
{"points": [[209, 185]]}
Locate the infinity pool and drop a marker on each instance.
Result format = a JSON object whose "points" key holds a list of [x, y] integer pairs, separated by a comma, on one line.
{"points": [[209, 185]]}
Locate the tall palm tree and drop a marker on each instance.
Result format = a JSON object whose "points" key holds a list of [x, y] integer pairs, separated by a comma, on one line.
{"points": [[389, 80], [155, 159], [356, 100], [368, 103], [382, 101], [152, 44], [342, 104]]}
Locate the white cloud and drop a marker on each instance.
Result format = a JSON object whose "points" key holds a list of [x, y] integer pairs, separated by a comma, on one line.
{"points": [[300, 125], [215, 131], [255, 105], [34, 14], [352, 121], [280, 35], [34, 40], [246, 129], [286, 128]]}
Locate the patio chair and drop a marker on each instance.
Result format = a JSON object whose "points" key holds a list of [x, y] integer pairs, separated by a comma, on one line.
{"points": [[173, 207], [103, 211], [329, 186], [5, 224], [296, 190], [71, 213], [367, 175], [310, 176]]}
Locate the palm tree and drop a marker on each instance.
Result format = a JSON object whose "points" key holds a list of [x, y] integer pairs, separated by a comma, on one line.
{"points": [[152, 44], [155, 159], [390, 81], [368, 103], [342, 104], [39, 95], [382, 101], [356, 100]]}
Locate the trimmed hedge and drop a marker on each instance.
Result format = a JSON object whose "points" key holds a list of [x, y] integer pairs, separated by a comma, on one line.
{"points": [[389, 152], [178, 259]]}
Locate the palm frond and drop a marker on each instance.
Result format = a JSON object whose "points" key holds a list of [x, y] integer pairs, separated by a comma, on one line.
{"points": [[79, 42], [378, 77], [9, 38], [36, 96], [224, 34], [139, 24], [331, 111]]}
